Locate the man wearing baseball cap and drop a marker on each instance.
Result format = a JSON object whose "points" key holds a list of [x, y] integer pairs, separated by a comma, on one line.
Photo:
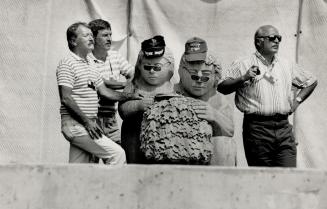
{"points": [[153, 71], [153, 47], [195, 49], [200, 73]]}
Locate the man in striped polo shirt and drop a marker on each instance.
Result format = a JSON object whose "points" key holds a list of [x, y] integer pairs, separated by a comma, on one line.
{"points": [[115, 71], [263, 85], [79, 85]]}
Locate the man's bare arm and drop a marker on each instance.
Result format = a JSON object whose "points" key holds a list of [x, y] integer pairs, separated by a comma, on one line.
{"points": [[70, 104]]}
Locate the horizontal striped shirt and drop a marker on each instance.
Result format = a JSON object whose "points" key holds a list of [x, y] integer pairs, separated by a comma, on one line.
{"points": [[270, 92], [115, 67], [80, 75]]}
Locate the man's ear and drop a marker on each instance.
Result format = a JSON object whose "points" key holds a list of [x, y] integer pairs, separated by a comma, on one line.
{"points": [[258, 41], [73, 42], [217, 79]]}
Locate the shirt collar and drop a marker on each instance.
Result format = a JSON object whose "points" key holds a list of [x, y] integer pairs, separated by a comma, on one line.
{"points": [[93, 58], [76, 57], [264, 61]]}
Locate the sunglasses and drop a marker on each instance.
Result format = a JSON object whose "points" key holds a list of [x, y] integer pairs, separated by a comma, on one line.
{"points": [[156, 67], [272, 38], [200, 78]]}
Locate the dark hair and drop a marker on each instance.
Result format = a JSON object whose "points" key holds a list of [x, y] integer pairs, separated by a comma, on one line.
{"points": [[98, 24], [71, 33]]}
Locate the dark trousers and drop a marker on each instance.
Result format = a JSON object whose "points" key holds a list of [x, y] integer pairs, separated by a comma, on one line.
{"points": [[130, 139], [269, 141]]}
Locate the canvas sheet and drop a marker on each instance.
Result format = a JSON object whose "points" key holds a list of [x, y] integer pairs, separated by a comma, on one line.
{"points": [[33, 41]]}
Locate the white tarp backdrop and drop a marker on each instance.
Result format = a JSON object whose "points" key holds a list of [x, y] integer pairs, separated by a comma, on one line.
{"points": [[33, 40]]}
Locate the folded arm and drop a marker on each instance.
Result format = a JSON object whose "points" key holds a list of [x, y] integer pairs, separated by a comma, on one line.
{"points": [[303, 95], [113, 95], [232, 84], [113, 84], [133, 107]]}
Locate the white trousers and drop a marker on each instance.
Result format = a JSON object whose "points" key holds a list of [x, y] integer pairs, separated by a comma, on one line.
{"points": [[82, 146]]}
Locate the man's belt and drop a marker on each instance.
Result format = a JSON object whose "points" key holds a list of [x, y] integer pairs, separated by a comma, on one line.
{"points": [[275, 117]]}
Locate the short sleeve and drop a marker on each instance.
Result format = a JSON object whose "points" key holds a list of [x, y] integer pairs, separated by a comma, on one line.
{"points": [[235, 70], [301, 78], [65, 75], [125, 67]]}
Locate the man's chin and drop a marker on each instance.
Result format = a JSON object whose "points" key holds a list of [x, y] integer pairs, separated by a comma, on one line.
{"points": [[275, 49], [90, 47], [197, 93], [108, 47]]}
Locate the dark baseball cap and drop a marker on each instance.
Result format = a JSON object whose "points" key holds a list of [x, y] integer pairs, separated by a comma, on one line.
{"points": [[195, 49], [153, 47]]}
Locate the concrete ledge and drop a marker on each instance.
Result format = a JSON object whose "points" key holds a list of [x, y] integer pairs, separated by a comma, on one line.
{"points": [[159, 187]]}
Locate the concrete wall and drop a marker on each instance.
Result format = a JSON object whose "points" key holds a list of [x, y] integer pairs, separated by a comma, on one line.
{"points": [[159, 187]]}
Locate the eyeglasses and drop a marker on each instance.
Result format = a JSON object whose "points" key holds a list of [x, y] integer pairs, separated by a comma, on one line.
{"points": [[272, 38], [156, 67], [200, 78], [196, 77]]}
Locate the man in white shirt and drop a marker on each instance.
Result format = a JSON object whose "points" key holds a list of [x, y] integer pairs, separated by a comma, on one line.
{"points": [[263, 84]]}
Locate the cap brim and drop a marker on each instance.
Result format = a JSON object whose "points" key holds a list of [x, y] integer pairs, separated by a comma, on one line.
{"points": [[196, 57]]}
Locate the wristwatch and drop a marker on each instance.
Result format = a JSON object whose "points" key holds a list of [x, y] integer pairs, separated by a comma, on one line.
{"points": [[299, 99]]}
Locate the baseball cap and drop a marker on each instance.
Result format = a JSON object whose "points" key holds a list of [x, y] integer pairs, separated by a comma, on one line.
{"points": [[153, 47], [195, 49]]}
